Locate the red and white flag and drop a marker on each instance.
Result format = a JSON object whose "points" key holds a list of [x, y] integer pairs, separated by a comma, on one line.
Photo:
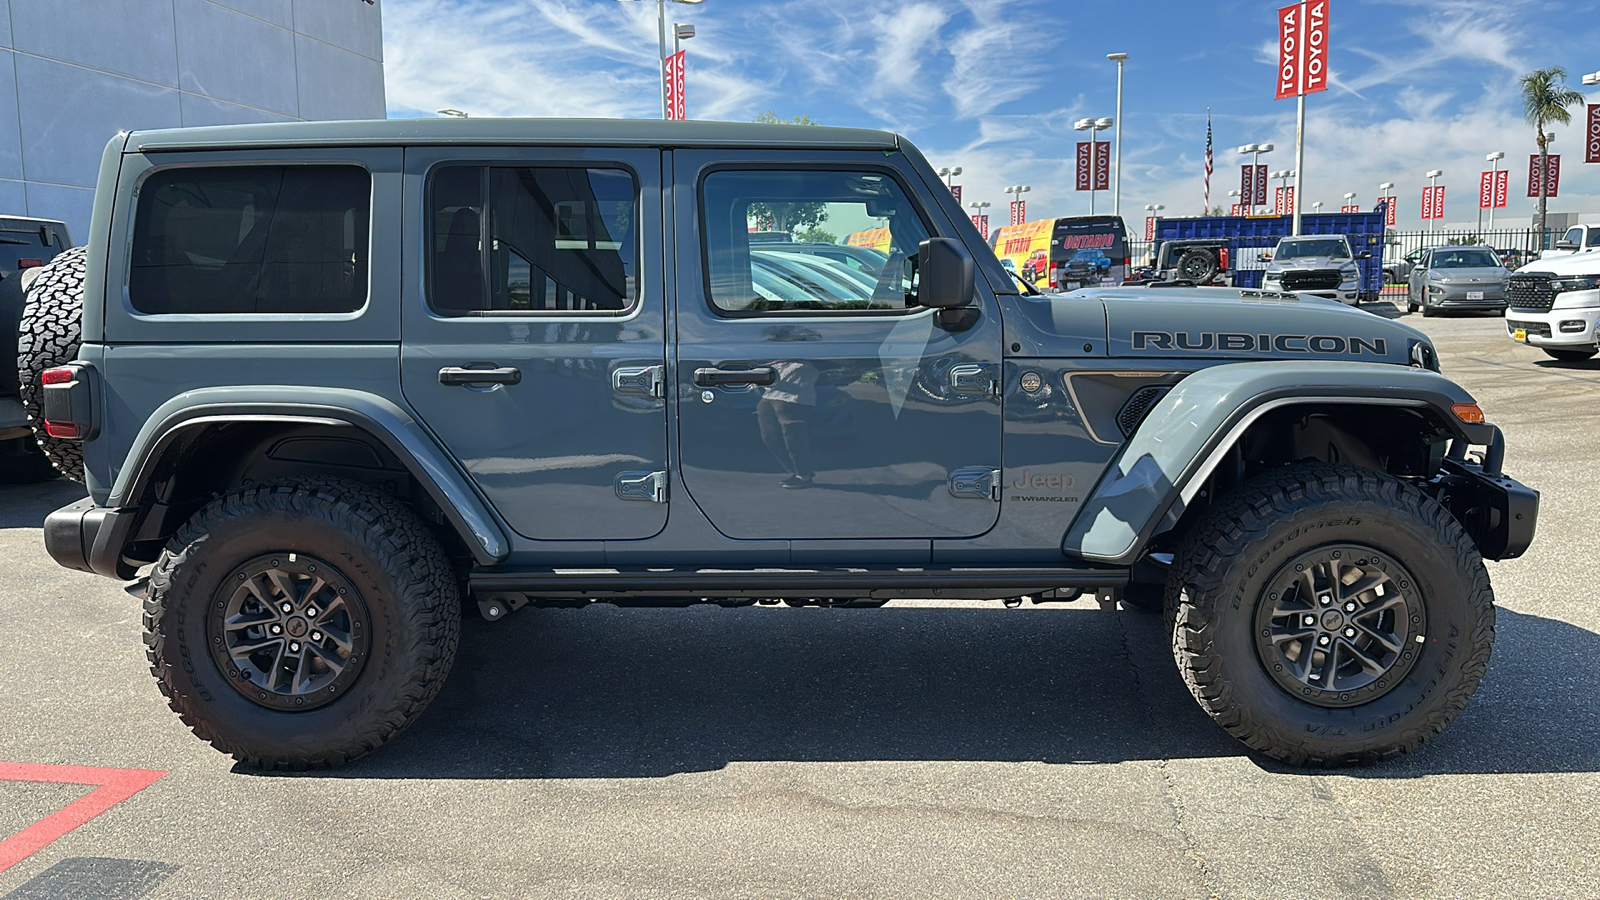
{"points": [[1149, 228], [1533, 175], [1302, 49], [675, 105], [1591, 135]]}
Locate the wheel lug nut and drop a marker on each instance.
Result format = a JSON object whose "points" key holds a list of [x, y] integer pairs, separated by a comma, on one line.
{"points": [[1324, 640], [316, 635], [1325, 600], [1350, 632], [1350, 607], [277, 629], [1310, 620], [294, 646], [312, 612], [287, 608]]}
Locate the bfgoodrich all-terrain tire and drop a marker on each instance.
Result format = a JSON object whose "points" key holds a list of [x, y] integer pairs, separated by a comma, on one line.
{"points": [[1331, 615], [301, 625], [48, 336]]}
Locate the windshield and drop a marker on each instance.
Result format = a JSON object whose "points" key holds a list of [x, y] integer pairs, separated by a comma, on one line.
{"points": [[1465, 259], [1334, 248]]}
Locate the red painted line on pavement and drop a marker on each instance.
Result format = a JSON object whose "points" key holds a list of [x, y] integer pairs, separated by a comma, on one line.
{"points": [[112, 786]]}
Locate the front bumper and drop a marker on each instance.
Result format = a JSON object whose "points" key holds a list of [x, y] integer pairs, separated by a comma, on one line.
{"points": [[90, 538], [1560, 328], [1498, 512]]}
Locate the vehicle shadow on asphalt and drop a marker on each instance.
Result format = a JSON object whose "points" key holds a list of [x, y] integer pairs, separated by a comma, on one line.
{"points": [[608, 693], [26, 505]]}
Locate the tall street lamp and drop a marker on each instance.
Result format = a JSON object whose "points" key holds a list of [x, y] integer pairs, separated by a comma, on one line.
{"points": [[1316, 206], [1094, 127], [1494, 181], [1154, 209], [948, 173], [1386, 193], [1350, 199], [1433, 184], [1283, 176], [980, 219], [1116, 178], [1255, 151], [1018, 210], [661, 41]]}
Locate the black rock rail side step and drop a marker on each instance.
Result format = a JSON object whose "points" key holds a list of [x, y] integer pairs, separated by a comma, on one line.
{"points": [[900, 582]]}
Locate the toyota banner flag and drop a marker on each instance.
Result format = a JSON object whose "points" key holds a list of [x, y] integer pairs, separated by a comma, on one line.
{"points": [[1302, 49], [1102, 165], [675, 105], [1236, 209], [1492, 189], [1533, 175], [1433, 202], [1282, 201], [955, 191], [1591, 135], [1261, 185], [1149, 228], [1083, 167]]}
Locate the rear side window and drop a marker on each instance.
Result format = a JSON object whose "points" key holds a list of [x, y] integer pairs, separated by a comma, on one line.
{"points": [[251, 239], [561, 240]]}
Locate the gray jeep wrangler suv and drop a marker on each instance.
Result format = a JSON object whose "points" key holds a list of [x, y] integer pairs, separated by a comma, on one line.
{"points": [[337, 379]]}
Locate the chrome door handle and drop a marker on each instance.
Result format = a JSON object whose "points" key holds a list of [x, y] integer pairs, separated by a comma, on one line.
{"points": [[713, 377], [461, 375]]}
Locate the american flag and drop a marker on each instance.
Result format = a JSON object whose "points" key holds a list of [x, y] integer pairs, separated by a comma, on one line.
{"points": [[1207, 210]]}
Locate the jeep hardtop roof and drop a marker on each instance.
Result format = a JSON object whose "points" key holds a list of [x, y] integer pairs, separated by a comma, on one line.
{"points": [[455, 131]]}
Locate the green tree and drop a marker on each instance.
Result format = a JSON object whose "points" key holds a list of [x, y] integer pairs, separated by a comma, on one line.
{"points": [[1545, 99], [788, 217], [814, 235]]}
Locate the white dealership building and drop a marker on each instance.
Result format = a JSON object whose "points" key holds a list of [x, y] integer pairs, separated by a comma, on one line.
{"points": [[75, 72]]}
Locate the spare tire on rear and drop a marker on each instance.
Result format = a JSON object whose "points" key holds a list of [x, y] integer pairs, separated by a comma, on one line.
{"points": [[1198, 265], [48, 336]]}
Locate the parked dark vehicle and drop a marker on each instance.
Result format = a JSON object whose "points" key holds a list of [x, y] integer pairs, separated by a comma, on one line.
{"points": [[1398, 271], [494, 363], [1469, 277], [25, 245]]}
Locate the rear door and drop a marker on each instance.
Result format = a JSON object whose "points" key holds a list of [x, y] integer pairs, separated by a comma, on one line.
{"points": [[816, 401], [533, 332]]}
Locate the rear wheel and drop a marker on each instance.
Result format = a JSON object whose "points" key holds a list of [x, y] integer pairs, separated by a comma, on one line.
{"points": [[1568, 355], [1331, 615], [301, 625]]}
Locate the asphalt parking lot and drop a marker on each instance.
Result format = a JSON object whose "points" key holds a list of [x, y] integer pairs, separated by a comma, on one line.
{"points": [[922, 750]]}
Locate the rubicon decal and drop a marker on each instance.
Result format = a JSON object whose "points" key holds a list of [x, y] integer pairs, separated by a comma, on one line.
{"points": [[1235, 342]]}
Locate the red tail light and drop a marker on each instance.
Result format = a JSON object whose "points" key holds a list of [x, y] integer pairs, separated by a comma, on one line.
{"points": [[29, 263], [57, 375], [61, 429], [56, 428]]}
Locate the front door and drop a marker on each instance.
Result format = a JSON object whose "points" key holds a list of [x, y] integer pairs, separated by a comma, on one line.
{"points": [[534, 332], [815, 399]]}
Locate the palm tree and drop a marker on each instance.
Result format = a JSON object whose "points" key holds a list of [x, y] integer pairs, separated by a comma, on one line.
{"points": [[1545, 98]]}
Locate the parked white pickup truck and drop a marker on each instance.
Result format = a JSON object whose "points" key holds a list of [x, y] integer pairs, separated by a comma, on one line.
{"points": [[1578, 239], [1553, 302]]}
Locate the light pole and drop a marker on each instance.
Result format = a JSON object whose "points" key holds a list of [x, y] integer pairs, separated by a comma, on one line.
{"points": [[1350, 199], [1235, 193], [1094, 127], [661, 43], [1386, 192], [1591, 79], [1316, 206], [1255, 151], [980, 217], [1433, 184], [454, 113], [948, 173], [1017, 209], [1116, 178], [1155, 210], [1494, 179]]}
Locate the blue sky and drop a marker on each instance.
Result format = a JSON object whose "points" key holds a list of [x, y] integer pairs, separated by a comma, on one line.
{"points": [[994, 85]]}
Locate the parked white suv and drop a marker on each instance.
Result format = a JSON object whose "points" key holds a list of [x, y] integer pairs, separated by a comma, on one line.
{"points": [[1554, 304]]}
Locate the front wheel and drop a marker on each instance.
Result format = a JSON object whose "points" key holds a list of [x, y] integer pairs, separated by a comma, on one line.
{"points": [[1331, 615], [301, 625], [1568, 355]]}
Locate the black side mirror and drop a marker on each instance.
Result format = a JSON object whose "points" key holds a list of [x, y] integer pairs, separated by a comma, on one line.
{"points": [[1365, 254], [945, 274]]}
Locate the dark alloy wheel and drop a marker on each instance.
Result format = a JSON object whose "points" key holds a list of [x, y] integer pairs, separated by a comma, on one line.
{"points": [[290, 630], [1197, 265], [1326, 614], [1338, 625], [280, 656]]}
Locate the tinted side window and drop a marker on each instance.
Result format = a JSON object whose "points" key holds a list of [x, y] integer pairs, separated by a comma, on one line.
{"points": [[252, 239], [786, 241], [561, 240]]}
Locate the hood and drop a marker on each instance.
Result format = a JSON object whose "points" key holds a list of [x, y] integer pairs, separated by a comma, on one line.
{"points": [[1235, 324], [1586, 263], [1310, 262], [1485, 275]]}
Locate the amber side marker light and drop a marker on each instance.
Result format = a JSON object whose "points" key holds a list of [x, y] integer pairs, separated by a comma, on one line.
{"points": [[1469, 413]]}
